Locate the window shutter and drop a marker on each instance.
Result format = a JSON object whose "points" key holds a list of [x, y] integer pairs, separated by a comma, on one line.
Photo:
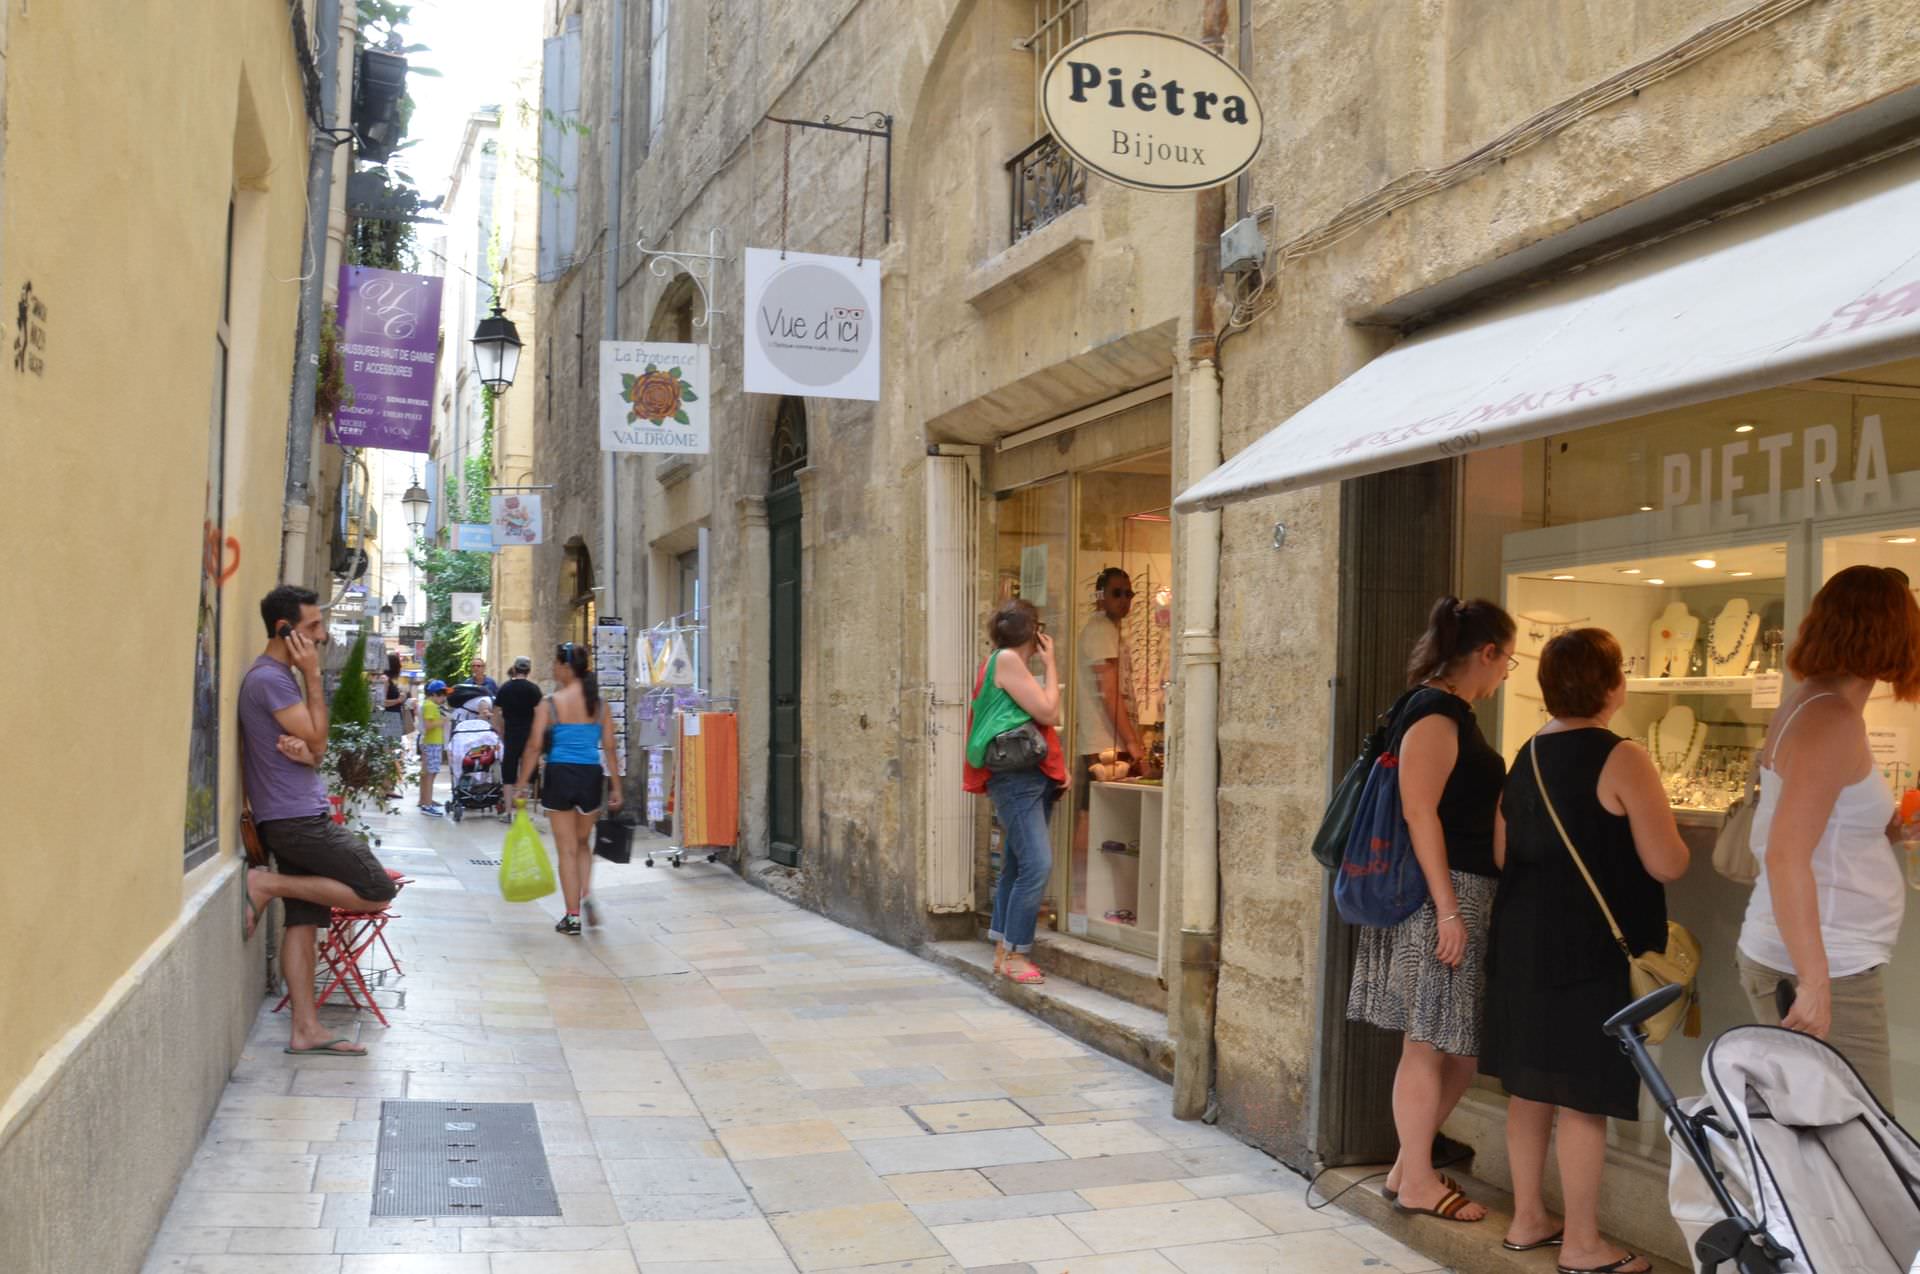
{"points": [[549, 259], [559, 150]]}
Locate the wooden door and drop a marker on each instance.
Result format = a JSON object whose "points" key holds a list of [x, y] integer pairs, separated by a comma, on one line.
{"points": [[783, 768]]}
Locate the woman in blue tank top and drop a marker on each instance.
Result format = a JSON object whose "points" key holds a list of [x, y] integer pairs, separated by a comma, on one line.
{"points": [[574, 729]]}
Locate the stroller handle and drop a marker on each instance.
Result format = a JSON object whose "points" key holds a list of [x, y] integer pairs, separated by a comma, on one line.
{"points": [[1621, 1024]]}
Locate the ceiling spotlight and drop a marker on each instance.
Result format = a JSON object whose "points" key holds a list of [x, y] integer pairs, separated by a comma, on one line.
{"points": [[1899, 539], [1705, 563], [1743, 429], [1646, 508], [1628, 570], [1563, 577], [1656, 581], [1740, 574]]}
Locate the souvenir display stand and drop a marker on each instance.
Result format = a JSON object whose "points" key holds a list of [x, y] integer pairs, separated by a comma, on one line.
{"points": [[691, 739]]}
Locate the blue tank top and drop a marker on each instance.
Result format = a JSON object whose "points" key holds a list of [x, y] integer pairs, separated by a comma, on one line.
{"points": [[574, 743]]}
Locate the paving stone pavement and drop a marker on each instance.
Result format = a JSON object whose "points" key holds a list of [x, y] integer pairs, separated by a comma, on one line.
{"points": [[726, 1084]]}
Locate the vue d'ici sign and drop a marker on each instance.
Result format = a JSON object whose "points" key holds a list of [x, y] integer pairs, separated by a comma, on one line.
{"points": [[1151, 110]]}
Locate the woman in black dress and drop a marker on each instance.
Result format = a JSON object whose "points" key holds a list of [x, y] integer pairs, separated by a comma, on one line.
{"points": [[1554, 972], [1422, 978]]}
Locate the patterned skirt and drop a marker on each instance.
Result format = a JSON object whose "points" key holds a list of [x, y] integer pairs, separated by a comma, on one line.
{"points": [[1398, 984]]}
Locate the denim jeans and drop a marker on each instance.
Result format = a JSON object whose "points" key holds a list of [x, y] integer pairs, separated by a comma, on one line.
{"points": [[1023, 802]]}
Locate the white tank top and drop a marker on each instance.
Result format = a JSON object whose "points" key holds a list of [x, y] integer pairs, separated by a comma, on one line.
{"points": [[1861, 888]]}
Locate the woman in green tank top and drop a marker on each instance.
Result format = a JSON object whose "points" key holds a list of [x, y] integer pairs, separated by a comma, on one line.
{"points": [[1006, 696]]}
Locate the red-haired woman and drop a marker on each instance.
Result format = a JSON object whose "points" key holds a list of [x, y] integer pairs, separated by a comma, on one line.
{"points": [[1554, 973], [1827, 907]]}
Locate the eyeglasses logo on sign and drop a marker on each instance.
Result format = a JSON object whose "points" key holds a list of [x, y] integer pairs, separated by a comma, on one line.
{"points": [[1151, 110]]}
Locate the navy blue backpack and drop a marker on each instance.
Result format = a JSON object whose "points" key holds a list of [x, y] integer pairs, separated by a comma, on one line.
{"points": [[1380, 882]]}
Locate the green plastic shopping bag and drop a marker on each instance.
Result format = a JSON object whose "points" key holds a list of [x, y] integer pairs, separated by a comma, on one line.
{"points": [[525, 871]]}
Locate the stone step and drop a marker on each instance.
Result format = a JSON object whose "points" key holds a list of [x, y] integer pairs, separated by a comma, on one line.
{"points": [[1134, 978], [1457, 1246], [1117, 1027]]}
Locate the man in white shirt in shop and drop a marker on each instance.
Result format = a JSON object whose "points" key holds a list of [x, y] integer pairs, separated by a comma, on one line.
{"points": [[1104, 715]]}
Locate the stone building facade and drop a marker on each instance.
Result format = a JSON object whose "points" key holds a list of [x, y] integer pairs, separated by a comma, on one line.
{"points": [[1047, 390]]}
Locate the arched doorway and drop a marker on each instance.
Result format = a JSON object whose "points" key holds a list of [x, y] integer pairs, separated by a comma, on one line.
{"points": [[576, 593], [787, 458]]}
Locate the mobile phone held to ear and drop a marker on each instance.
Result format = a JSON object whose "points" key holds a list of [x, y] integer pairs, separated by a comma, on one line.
{"points": [[283, 629]]}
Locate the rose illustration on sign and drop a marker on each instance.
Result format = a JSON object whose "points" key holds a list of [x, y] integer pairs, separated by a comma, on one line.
{"points": [[654, 395]]}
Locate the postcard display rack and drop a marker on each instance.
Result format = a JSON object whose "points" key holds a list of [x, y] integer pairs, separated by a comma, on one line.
{"points": [[610, 665], [691, 739]]}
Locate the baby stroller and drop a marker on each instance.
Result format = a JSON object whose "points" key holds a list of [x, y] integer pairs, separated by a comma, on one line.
{"points": [[473, 753], [1789, 1165]]}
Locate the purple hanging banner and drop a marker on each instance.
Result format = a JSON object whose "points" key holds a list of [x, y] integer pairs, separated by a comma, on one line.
{"points": [[390, 329]]}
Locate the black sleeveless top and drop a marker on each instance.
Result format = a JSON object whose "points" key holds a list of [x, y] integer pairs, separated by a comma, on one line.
{"points": [[1544, 906], [1472, 794]]}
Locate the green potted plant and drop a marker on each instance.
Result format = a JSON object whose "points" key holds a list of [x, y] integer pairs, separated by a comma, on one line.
{"points": [[361, 762]]}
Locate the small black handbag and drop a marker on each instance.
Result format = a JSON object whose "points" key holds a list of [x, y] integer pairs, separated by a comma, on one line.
{"points": [[1021, 748], [613, 837]]}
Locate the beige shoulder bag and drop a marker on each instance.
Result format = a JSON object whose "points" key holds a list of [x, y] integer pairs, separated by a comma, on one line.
{"points": [[1733, 848], [1650, 970]]}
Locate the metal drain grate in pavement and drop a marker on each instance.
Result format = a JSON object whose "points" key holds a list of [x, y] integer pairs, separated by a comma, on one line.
{"points": [[484, 862], [479, 1159]]}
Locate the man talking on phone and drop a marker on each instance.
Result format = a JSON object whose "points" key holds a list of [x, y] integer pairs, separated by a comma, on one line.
{"points": [[321, 865]]}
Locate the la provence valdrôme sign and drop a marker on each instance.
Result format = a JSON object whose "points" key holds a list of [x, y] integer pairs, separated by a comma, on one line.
{"points": [[1151, 110]]}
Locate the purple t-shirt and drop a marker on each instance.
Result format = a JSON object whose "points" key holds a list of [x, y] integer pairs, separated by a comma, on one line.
{"points": [[276, 786]]}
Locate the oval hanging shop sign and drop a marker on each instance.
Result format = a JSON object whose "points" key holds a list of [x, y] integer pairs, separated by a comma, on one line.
{"points": [[1151, 110]]}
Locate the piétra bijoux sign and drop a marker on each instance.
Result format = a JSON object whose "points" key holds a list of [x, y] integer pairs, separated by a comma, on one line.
{"points": [[1151, 110]]}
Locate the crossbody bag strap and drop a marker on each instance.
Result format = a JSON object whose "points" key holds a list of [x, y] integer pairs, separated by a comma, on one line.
{"points": [[1539, 781]]}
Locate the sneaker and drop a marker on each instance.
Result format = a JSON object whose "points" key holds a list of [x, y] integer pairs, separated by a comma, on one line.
{"points": [[569, 925], [433, 810], [592, 911]]}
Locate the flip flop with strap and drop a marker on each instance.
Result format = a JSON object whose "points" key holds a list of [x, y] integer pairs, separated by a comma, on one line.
{"points": [[1552, 1240], [1448, 1209], [326, 1049], [1610, 1268]]}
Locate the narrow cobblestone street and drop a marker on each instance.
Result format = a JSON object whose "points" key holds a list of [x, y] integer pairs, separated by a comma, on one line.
{"points": [[725, 1084]]}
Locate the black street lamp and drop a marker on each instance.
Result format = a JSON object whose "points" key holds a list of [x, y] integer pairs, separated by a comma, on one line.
{"points": [[416, 503], [496, 348], [399, 604]]}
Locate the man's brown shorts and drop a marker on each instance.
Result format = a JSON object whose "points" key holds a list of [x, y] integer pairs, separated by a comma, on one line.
{"points": [[318, 846]]}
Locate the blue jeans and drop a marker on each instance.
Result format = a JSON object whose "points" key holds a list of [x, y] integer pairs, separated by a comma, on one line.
{"points": [[1023, 802]]}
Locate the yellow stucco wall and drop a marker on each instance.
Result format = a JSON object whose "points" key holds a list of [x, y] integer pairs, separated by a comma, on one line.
{"points": [[126, 128]]}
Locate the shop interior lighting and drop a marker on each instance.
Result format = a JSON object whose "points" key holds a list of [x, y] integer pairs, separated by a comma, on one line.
{"points": [[1629, 570], [1656, 581], [1743, 428], [1740, 574], [1646, 508], [1705, 563], [1563, 577], [1900, 539]]}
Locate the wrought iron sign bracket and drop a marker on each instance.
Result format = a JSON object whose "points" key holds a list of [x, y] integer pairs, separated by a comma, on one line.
{"points": [[882, 127], [702, 267]]}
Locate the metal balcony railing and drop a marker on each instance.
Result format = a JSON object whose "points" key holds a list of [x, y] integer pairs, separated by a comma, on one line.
{"points": [[1045, 184]]}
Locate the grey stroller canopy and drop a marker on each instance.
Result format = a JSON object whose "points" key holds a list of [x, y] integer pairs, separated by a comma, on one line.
{"points": [[1808, 1152]]}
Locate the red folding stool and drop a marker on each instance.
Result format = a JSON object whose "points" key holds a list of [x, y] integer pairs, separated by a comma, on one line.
{"points": [[349, 936]]}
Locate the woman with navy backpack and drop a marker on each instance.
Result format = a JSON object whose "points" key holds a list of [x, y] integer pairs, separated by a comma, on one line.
{"points": [[1423, 977]]}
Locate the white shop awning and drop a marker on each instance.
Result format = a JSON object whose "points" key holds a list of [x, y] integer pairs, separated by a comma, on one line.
{"points": [[1823, 281]]}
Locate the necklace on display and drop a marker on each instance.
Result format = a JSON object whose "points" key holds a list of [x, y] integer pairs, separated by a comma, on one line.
{"points": [[1660, 757], [1713, 642]]}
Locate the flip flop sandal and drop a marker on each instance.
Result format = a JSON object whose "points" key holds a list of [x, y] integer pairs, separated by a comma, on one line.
{"points": [[253, 915], [1029, 976], [326, 1049], [1448, 1209], [1611, 1268], [1552, 1240]]}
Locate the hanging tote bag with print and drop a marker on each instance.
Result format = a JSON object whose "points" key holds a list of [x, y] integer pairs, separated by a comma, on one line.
{"points": [[1329, 845], [1379, 882]]}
